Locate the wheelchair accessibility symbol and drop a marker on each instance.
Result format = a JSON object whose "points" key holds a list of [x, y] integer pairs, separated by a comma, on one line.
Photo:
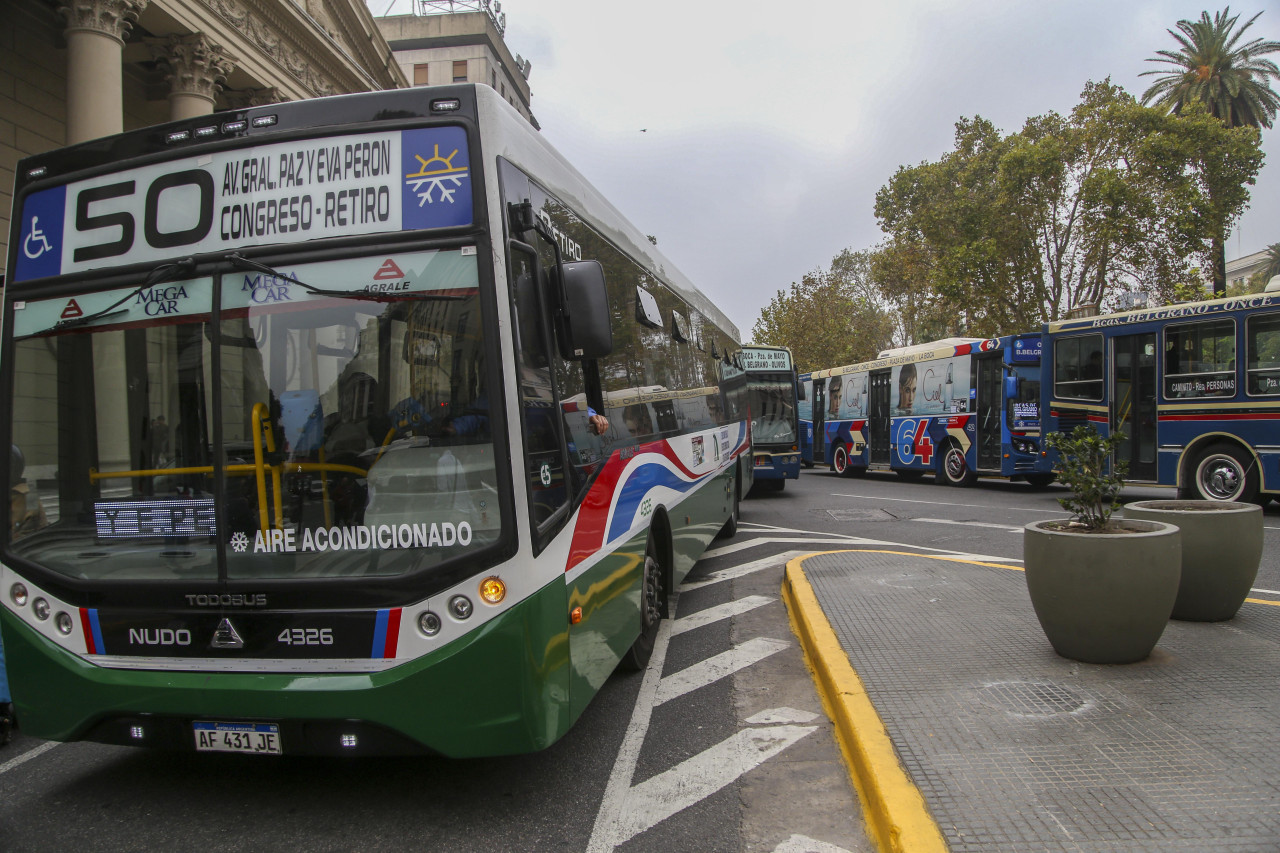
{"points": [[36, 243]]}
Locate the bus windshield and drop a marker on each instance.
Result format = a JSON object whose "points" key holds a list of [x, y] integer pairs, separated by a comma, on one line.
{"points": [[773, 415], [1023, 411], [286, 434]]}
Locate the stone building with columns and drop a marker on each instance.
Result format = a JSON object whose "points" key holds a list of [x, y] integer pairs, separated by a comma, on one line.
{"points": [[75, 70]]}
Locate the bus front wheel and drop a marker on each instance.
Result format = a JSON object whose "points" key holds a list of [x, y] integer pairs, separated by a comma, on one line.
{"points": [[1225, 473], [652, 603]]}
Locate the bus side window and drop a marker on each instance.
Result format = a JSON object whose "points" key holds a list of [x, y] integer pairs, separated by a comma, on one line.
{"points": [[1200, 359], [1078, 367], [1262, 336], [545, 455]]}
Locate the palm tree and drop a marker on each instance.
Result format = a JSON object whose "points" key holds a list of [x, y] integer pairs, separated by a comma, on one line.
{"points": [[1232, 81], [1272, 269]]}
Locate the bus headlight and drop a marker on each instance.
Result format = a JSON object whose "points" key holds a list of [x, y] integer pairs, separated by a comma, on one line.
{"points": [[493, 590], [64, 623], [460, 606], [428, 623], [18, 594], [1025, 445], [40, 607]]}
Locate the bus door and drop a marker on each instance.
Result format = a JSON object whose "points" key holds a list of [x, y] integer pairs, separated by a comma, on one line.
{"points": [[990, 411], [878, 426], [1133, 402], [819, 416]]}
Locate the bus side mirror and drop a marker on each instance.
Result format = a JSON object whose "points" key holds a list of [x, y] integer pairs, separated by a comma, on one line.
{"points": [[1011, 387], [585, 328]]}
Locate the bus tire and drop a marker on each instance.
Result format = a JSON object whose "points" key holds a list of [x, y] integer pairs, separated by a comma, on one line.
{"points": [[730, 528], [840, 459], [1225, 473], [953, 469], [652, 605]]}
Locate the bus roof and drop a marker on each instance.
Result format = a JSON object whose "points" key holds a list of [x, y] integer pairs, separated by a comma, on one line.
{"points": [[943, 348], [1169, 312]]}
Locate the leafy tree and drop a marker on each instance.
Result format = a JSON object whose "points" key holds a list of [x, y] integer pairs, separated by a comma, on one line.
{"points": [[956, 261], [831, 317], [1006, 232], [1230, 80]]}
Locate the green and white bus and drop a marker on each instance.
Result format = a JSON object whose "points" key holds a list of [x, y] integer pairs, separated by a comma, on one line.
{"points": [[306, 455]]}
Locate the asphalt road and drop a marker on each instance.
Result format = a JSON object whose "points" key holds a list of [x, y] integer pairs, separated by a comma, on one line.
{"points": [[721, 746]]}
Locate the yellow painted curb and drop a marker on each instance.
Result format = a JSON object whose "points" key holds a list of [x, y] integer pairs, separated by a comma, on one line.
{"points": [[897, 817]]}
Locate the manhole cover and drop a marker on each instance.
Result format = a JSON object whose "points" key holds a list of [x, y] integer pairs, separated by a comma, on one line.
{"points": [[1031, 699], [859, 515]]}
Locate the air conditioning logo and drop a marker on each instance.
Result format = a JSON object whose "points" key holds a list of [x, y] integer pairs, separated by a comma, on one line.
{"points": [[436, 191]]}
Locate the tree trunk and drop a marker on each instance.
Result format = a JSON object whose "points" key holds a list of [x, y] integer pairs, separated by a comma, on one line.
{"points": [[1219, 249]]}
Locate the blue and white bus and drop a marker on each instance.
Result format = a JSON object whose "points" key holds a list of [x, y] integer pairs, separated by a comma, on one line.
{"points": [[771, 396], [1195, 388], [959, 408]]}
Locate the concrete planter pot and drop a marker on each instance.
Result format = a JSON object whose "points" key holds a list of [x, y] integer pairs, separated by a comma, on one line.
{"points": [[1103, 597], [1221, 551]]}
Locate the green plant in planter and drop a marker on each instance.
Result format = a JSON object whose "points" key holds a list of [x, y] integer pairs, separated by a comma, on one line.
{"points": [[1083, 467], [1102, 588]]}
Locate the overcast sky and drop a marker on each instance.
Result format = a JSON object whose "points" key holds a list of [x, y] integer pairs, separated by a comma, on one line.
{"points": [[768, 127]]}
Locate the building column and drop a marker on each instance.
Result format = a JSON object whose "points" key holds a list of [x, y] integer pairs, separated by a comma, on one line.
{"points": [[96, 30], [243, 99], [197, 69]]}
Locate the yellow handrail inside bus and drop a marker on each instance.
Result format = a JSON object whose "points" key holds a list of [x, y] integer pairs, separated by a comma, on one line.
{"points": [[324, 494], [263, 443], [242, 470], [256, 421]]}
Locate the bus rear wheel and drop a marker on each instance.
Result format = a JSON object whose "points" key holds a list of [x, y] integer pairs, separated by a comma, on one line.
{"points": [[840, 460], [1225, 473], [730, 528], [652, 603], [954, 470]]}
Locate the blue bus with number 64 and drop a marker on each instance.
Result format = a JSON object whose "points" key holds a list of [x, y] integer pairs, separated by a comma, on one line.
{"points": [[957, 408]]}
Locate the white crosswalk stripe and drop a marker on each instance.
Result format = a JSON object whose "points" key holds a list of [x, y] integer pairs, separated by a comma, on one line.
{"points": [[805, 844], [715, 668], [693, 780], [742, 570], [721, 611]]}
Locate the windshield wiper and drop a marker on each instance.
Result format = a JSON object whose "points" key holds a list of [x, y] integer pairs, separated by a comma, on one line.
{"points": [[164, 272], [241, 262]]}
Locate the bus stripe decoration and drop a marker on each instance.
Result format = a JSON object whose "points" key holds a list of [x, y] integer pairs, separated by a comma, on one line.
{"points": [[386, 633], [92, 630], [616, 501]]}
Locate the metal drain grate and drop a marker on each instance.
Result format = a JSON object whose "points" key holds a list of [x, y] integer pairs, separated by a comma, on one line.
{"points": [[1031, 699]]}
